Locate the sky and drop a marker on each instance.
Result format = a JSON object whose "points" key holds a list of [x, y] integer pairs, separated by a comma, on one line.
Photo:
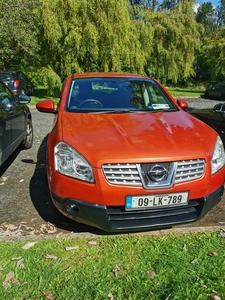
{"points": [[214, 2]]}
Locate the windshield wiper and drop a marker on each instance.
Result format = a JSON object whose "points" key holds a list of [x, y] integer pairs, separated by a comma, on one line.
{"points": [[116, 111]]}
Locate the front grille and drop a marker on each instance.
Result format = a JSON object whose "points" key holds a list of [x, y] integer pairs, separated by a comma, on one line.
{"points": [[135, 174], [123, 174], [189, 170]]}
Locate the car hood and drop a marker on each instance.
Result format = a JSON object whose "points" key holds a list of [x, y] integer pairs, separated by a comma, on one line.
{"points": [[137, 137]]}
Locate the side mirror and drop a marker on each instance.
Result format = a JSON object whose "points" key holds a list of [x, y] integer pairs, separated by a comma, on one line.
{"points": [[24, 99], [182, 104], [219, 108], [46, 106]]}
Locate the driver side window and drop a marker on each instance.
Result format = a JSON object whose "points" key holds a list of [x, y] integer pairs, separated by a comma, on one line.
{"points": [[5, 96]]}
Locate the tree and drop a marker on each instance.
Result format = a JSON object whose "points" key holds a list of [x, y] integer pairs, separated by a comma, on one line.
{"points": [[221, 13], [18, 34], [206, 15], [213, 52], [176, 38]]}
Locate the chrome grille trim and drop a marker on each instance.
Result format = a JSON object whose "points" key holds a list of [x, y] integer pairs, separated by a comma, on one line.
{"points": [[128, 174], [189, 170], [122, 174]]}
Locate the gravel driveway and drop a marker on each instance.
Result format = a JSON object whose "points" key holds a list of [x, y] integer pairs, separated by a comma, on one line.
{"points": [[24, 192]]}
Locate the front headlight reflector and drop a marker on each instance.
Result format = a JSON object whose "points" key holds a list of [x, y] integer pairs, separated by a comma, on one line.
{"points": [[218, 158], [71, 163]]}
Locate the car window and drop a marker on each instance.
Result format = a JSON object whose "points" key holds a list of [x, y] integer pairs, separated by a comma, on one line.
{"points": [[6, 96], [117, 93], [6, 76]]}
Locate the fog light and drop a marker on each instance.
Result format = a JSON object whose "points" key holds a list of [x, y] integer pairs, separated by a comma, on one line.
{"points": [[72, 209]]}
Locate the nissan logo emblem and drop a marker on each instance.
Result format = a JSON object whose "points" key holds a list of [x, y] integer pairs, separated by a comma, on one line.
{"points": [[157, 173]]}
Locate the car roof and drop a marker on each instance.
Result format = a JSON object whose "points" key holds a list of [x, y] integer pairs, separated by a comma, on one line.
{"points": [[108, 74], [9, 72]]}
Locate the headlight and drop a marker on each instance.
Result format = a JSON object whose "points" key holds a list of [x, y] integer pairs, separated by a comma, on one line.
{"points": [[70, 163], [218, 158]]}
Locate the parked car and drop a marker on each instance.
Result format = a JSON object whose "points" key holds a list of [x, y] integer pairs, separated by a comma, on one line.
{"points": [[17, 82], [215, 91], [15, 123], [214, 117], [124, 156]]}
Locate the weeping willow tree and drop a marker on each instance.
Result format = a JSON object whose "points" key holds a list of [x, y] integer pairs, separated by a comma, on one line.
{"points": [[176, 38], [90, 35], [213, 51], [18, 34], [106, 35]]}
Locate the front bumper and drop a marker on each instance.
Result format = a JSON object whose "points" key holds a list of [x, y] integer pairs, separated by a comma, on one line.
{"points": [[117, 219]]}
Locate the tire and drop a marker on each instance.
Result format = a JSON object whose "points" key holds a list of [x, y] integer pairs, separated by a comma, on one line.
{"points": [[54, 212], [27, 144]]}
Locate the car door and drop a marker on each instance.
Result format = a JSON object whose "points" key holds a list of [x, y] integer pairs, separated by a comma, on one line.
{"points": [[17, 116], [216, 119], [5, 126], [216, 90]]}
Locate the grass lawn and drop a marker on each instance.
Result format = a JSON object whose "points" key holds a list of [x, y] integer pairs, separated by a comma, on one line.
{"points": [[132, 267]]}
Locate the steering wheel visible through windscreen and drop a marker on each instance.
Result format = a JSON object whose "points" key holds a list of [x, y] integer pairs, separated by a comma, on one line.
{"points": [[90, 103]]}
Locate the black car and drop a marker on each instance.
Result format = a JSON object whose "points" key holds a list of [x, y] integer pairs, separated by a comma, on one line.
{"points": [[17, 82], [214, 117], [15, 123], [216, 91]]}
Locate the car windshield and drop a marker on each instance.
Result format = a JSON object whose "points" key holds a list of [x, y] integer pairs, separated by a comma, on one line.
{"points": [[7, 76], [117, 95]]}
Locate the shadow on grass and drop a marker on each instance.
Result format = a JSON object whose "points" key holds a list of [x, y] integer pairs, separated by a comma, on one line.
{"points": [[40, 197]]}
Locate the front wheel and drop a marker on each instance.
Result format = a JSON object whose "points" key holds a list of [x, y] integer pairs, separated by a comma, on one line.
{"points": [[29, 136]]}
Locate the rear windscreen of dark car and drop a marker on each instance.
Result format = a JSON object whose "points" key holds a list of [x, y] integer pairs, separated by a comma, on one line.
{"points": [[6, 76]]}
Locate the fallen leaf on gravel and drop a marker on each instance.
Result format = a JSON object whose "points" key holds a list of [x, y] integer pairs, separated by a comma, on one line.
{"points": [[116, 269], [110, 296], [92, 243], [48, 228], [213, 254], [49, 256], [2, 183], [151, 273], [12, 227], [71, 248], [194, 261], [28, 245], [49, 295], [22, 180]]}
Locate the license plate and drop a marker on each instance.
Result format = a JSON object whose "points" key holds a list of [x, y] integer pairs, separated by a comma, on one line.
{"points": [[156, 201]]}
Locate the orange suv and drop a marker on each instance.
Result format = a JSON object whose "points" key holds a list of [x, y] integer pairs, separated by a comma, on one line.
{"points": [[124, 156]]}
